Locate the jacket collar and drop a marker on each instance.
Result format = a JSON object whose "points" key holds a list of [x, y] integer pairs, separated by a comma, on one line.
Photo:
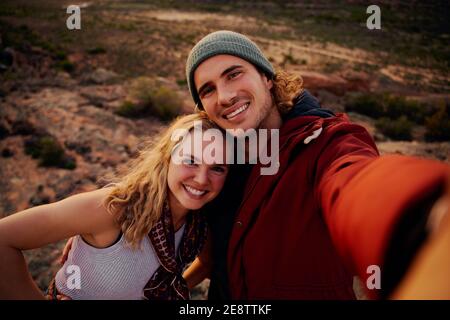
{"points": [[307, 105]]}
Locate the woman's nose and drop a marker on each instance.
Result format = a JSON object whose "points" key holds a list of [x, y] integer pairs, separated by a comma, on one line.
{"points": [[201, 176]]}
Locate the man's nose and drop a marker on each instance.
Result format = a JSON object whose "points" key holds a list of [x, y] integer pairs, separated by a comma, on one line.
{"points": [[225, 96]]}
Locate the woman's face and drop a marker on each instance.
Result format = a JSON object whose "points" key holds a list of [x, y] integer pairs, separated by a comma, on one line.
{"points": [[192, 183]]}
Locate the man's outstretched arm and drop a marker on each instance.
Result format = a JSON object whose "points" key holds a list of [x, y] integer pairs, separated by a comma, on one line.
{"points": [[376, 207]]}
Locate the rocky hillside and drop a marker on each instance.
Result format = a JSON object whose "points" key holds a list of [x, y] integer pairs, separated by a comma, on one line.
{"points": [[76, 105]]}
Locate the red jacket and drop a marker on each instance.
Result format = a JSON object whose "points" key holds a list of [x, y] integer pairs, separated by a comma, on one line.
{"points": [[328, 212]]}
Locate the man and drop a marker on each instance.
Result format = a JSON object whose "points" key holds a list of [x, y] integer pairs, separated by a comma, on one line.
{"points": [[334, 207]]}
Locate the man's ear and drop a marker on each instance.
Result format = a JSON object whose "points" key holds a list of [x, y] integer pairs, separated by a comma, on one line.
{"points": [[267, 81]]}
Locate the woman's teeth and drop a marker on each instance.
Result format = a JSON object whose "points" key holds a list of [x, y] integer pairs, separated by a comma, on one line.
{"points": [[236, 112], [194, 191]]}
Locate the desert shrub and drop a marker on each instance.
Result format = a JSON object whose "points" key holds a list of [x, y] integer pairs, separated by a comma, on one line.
{"points": [[438, 125], [389, 106], [131, 110], [288, 58], [368, 104], [141, 89], [65, 65], [49, 152], [396, 106], [182, 82], [166, 102], [396, 115], [96, 50], [150, 97], [398, 129], [60, 55]]}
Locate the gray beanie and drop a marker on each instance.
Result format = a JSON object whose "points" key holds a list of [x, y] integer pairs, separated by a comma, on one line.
{"points": [[224, 42]]}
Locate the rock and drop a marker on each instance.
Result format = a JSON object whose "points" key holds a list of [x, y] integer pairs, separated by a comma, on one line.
{"points": [[78, 147], [63, 186], [358, 81], [7, 153], [314, 81], [42, 263], [335, 84], [23, 127], [6, 59], [40, 197], [100, 76], [76, 58], [103, 95], [5, 129], [64, 80]]}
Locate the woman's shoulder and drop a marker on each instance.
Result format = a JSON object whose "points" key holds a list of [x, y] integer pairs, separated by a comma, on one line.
{"points": [[91, 201], [90, 207], [105, 229], [96, 200]]}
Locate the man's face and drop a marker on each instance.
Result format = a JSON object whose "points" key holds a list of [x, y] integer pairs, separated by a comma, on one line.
{"points": [[233, 93]]}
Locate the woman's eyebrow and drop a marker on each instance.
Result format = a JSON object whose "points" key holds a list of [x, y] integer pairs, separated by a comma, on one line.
{"points": [[193, 158]]}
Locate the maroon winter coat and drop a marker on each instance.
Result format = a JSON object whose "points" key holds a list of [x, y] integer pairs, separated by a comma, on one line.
{"points": [[328, 212]]}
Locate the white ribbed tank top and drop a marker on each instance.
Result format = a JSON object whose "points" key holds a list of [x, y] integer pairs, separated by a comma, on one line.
{"points": [[117, 272]]}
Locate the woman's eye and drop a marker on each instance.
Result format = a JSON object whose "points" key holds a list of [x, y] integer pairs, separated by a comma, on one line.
{"points": [[219, 169], [189, 162]]}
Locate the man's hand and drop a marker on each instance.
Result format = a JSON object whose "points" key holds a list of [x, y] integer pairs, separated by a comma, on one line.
{"points": [[429, 274], [58, 297], [50, 292], [66, 250]]}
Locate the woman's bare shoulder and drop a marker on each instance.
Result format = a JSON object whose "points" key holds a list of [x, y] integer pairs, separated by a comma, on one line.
{"points": [[91, 205]]}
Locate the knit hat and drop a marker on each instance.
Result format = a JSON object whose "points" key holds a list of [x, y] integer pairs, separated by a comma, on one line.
{"points": [[224, 42]]}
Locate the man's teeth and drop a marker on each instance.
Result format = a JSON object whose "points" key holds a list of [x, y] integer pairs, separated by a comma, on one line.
{"points": [[195, 191], [236, 112]]}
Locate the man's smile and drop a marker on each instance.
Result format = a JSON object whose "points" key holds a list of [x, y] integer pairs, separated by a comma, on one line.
{"points": [[235, 111]]}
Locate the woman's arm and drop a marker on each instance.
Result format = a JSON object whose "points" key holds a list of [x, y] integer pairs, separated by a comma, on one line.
{"points": [[32, 228], [201, 267]]}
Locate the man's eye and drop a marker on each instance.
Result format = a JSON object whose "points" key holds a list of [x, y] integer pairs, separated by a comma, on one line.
{"points": [[206, 91]]}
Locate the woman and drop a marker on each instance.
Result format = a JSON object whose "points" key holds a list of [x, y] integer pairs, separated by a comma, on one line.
{"points": [[134, 238]]}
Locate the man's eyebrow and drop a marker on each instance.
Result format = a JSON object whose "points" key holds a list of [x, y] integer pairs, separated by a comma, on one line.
{"points": [[229, 69], [226, 71]]}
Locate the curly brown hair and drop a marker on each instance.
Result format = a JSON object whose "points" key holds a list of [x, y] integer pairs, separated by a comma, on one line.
{"points": [[286, 87]]}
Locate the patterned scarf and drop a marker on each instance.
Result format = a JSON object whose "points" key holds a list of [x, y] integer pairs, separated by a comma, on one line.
{"points": [[167, 283]]}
